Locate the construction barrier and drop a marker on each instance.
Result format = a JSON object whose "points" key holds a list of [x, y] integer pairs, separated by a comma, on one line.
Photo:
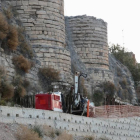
{"points": [[114, 111]]}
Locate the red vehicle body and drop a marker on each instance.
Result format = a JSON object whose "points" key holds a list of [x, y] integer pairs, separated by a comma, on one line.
{"points": [[49, 101]]}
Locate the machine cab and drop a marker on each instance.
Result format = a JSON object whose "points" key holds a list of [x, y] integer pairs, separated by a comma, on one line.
{"points": [[49, 101]]}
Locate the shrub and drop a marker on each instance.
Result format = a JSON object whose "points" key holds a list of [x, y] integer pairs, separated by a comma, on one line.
{"points": [[26, 49], [48, 131], [8, 13], [20, 86], [38, 130], [3, 27], [109, 88], [22, 63], [48, 75], [24, 133], [89, 138], [26, 83], [57, 132], [3, 102], [103, 138], [98, 97], [6, 90], [20, 91], [65, 136], [12, 38]]}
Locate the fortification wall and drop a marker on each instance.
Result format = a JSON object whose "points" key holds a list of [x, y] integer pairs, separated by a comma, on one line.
{"points": [[90, 39], [88, 42], [43, 21], [115, 129]]}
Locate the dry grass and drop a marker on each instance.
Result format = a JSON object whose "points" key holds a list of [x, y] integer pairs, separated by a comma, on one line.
{"points": [[12, 38], [48, 131], [8, 13], [21, 91], [26, 49], [20, 86], [65, 136], [89, 138], [26, 134], [49, 73], [3, 27], [6, 89], [22, 63]]}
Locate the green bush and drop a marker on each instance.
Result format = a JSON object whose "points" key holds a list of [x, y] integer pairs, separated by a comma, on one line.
{"points": [[3, 102], [98, 97], [38, 130], [128, 60]]}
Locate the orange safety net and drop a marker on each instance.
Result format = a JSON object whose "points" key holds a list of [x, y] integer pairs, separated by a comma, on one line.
{"points": [[114, 111]]}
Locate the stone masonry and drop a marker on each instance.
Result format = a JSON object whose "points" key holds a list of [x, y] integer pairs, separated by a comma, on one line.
{"points": [[44, 22], [89, 41], [90, 38]]}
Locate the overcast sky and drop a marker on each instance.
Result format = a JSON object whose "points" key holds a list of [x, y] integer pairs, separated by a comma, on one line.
{"points": [[122, 16]]}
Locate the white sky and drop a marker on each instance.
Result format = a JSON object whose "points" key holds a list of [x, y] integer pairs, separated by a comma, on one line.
{"points": [[119, 14]]}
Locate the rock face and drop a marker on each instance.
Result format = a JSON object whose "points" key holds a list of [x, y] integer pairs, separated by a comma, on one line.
{"points": [[123, 81]]}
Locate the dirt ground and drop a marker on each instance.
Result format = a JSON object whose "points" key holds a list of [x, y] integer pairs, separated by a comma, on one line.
{"points": [[7, 131]]}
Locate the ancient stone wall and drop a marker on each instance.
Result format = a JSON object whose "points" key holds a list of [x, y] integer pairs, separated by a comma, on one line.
{"points": [[44, 22], [90, 39]]}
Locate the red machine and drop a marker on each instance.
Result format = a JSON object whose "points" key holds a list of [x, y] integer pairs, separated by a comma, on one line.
{"points": [[49, 101]]}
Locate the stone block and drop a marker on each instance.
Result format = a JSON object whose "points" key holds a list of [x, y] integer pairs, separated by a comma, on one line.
{"points": [[33, 2], [41, 12]]}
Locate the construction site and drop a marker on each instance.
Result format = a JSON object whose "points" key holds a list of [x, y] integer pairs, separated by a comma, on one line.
{"points": [[59, 71]]}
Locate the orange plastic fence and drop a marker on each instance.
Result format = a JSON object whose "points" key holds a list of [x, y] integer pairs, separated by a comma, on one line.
{"points": [[114, 111]]}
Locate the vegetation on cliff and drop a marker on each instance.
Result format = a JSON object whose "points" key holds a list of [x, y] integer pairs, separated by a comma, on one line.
{"points": [[128, 59]]}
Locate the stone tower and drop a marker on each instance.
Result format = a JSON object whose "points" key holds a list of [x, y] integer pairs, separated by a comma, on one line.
{"points": [[89, 40], [44, 23]]}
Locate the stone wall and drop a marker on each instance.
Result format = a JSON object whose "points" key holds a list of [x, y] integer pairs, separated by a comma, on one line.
{"points": [[43, 21], [87, 42], [115, 129], [90, 39]]}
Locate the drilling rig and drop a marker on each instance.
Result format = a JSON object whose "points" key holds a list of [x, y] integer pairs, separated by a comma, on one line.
{"points": [[72, 102]]}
